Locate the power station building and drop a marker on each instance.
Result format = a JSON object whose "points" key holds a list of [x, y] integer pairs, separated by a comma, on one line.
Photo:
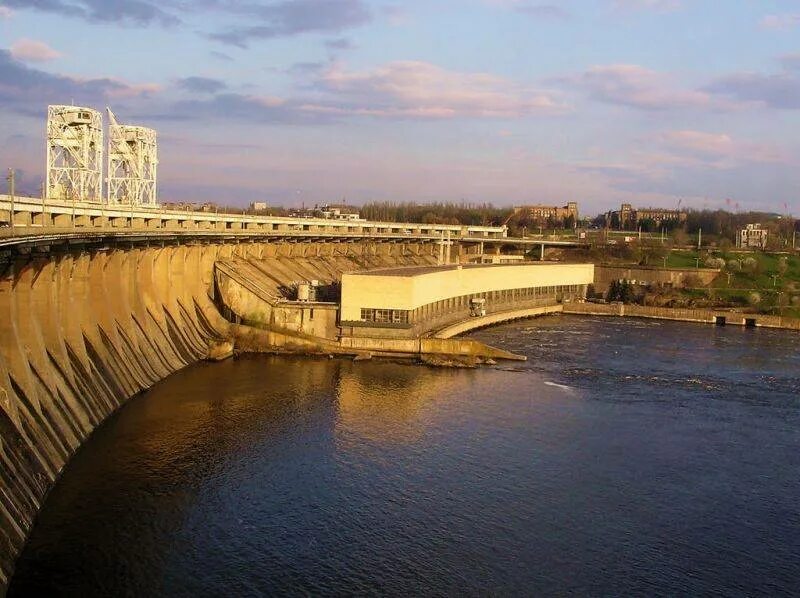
{"points": [[400, 301]]}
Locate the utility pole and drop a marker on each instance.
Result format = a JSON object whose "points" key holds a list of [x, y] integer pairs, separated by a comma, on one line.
{"points": [[10, 178], [44, 212], [699, 237]]}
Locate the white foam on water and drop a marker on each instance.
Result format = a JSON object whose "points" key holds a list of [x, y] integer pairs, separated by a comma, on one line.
{"points": [[561, 386]]}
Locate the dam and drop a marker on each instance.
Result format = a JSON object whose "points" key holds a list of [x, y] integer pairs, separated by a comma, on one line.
{"points": [[94, 314]]}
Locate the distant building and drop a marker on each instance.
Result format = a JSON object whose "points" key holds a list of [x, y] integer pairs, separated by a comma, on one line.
{"points": [[543, 214], [339, 213], [752, 237], [628, 217], [258, 206], [184, 206], [328, 212]]}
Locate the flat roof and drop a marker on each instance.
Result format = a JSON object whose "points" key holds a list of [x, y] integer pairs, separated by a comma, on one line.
{"points": [[409, 271]]}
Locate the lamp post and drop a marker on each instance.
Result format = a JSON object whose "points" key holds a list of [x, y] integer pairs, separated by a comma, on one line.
{"points": [[10, 178]]}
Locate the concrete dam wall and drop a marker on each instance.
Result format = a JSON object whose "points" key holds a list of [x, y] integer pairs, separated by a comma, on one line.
{"points": [[84, 329]]}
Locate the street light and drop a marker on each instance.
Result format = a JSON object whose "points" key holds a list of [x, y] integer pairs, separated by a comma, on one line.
{"points": [[10, 179]]}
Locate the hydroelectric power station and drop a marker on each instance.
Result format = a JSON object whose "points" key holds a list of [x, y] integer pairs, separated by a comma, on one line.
{"points": [[103, 295]]}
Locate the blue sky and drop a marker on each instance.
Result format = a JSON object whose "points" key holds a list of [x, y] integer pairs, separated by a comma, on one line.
{"points": [[507, 101]]}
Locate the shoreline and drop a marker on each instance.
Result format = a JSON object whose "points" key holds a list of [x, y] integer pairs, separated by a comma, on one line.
{"points": [[718, 317]]}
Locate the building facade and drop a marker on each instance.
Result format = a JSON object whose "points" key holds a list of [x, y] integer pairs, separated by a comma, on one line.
{"points": [[543, 214], [416, 299], [752, 237], [628, 217]]}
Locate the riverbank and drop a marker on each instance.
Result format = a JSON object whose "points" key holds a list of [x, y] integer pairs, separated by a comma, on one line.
{"points": [[708, 316]]}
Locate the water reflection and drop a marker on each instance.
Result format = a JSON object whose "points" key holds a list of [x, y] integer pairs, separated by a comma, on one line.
{"points": [[623, 457]]}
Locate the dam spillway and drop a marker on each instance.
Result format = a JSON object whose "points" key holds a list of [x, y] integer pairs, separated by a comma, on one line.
{"points": [[84, 328], [88, 322]]}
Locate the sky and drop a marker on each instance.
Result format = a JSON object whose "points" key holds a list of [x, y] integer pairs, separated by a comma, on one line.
{"points": [[650, 102]]}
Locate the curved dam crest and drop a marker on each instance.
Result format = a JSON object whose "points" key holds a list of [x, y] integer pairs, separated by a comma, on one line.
{"points": [[85, 329], [81, 333]]}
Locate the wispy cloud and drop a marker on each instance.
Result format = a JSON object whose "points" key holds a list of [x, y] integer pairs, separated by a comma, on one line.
{"points": [[27, 90], [293, 17], [421, 89], [201, 84], [541, 11], [5, 13], [781, 21], [637, 87], [31, 50], [776, 90], [720, 150], [660, 5], [139, 12]]}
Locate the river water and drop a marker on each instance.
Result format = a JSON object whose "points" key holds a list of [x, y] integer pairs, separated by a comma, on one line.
{"points": [[624, 457]]}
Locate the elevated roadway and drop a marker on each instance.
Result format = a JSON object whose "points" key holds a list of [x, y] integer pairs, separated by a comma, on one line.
{"points": [[30, 222]]}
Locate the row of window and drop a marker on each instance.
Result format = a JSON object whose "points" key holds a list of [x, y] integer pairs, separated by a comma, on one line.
{"points": [[453, 304], [385, 316]]}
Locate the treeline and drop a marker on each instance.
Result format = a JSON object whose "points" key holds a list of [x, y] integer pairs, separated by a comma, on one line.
{"points": [[484, 214], [728, 224]]}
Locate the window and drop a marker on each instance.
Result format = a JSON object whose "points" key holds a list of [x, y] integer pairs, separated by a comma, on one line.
{"points": [[384, 316]]}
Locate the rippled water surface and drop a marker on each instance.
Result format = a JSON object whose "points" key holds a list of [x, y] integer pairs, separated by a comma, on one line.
{"points": [[625, 457]]}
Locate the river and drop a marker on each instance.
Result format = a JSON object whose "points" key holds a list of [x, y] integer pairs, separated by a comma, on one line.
{"points": [[624, 457]]}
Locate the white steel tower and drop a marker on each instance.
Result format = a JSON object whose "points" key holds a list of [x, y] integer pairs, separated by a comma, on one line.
{"points": [[132, 164], [74, 153]]}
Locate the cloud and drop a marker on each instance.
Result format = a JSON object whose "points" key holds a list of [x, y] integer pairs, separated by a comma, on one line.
{"points": [[780, 91], [31, 50], [294, 17], [637, 87], [424, 90], [396, 91], [719, 150], [396, 15], [541, 11], [27, 90], [251, 108], [660, 5], [138, 12], [782, 21], [221, 56], [791, 62], [5, 13], [201, 84], [340, 43]]}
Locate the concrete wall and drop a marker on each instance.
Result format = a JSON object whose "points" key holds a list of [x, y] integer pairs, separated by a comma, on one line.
{"points": [[708, 316], [80, 333], [83, 331], [413, 291], [314, 319], [604, 275]]}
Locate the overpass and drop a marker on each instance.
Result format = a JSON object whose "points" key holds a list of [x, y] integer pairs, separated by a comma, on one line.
{"points": [[27, 221]]}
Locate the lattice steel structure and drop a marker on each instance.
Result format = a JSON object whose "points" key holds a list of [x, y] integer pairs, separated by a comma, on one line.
{"points": [[74, 153], [132, 164]]}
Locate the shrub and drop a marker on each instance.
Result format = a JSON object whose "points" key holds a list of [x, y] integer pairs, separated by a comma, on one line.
{"points": [[733, 266], [749, 264]]}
